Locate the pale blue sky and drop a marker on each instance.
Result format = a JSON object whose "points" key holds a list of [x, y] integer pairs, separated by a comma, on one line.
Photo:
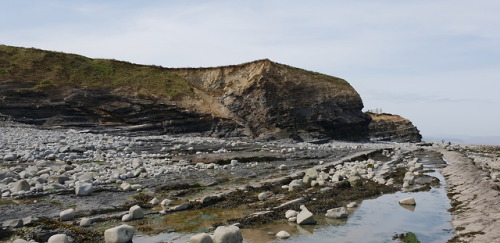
{"points": [[435, 62]]}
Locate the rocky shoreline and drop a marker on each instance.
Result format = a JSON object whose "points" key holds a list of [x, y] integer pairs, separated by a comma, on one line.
{"points": [[474, 188], [79, 184]]}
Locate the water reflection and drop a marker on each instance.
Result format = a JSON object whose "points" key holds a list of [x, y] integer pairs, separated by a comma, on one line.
{"points": [[375, 220]]}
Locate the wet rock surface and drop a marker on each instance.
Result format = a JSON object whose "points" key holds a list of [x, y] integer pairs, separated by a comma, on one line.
{"points": [[187, 175], [474, 189]]}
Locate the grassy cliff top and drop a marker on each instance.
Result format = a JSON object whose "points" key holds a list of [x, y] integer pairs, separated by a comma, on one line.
{"points": [[49, 69], [57, 70]]}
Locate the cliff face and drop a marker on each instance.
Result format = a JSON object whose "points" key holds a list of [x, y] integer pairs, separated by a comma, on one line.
{"points": [[388, 127], [267, 98], [256, 99]]}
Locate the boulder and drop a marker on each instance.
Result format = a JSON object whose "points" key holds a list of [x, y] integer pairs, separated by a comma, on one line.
{"points": [[263, 196], [419, 166], [408, 201], [409, 178], [67, 215], [136, 163], [154, 201], [119, 234], [227, 234], [312, 173], [210, 199], [201, 238], [165, 203], [305, 217], [83, 188], [295, 185], [21, 185], [282, 235], [59, 238], [126, 186], [337, 213], [85, 222], [323, 176], [290, 213], [406, 185], [20, 241], [136, 212], [390, 182], [336, 177], [126, 217], [181, 207], [307, 180], [352, 205]]}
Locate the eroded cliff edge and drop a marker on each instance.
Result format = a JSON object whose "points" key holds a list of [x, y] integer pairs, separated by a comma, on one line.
{"points": [[394, 128], [260, 98]]}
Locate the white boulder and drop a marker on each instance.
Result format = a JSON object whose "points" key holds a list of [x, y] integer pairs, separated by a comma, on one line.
{"points": [[282, 235], [83, 188], [305, 217], [201, 238], [154, 201], [20, 241], [312, 173], [85, 222], [67, 215], [263, 196], [126, 217], [59, 238], [291, 213], [408, 201], [352, 205], [165, 203], [136, 212], [227, 234], [295, 185], [119, 234], [136, 163], [126, 186], [21, 185], [337, 213]]}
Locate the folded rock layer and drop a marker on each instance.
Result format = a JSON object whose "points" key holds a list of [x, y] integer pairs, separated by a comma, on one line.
{"points": [[256, 99]]}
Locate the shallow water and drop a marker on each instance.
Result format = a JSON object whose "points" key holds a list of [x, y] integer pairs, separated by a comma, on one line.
{"points": [[375, 220]]}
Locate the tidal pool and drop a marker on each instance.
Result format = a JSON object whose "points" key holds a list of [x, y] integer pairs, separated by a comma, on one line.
{"points": [[375, 220]]}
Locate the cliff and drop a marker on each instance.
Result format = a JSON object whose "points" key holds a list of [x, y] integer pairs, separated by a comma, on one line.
{"points": [[260, 98], [389, 127]]}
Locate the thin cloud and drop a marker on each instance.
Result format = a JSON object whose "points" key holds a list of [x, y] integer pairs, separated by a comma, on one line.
{"points": [[397, 54]]}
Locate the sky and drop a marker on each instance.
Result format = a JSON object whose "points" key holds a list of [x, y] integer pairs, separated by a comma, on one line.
{"points": [[435, 62]]}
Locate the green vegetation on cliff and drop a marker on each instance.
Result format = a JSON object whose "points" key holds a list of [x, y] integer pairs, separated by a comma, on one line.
{"points": [[318, 77], [50, 69], [259, 98]]}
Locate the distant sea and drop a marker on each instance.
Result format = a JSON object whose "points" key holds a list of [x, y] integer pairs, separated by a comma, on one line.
{"points": [[485, 140]]}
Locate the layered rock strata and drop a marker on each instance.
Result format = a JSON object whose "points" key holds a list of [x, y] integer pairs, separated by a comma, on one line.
{"points": [[389, 127], [256, 99]]}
